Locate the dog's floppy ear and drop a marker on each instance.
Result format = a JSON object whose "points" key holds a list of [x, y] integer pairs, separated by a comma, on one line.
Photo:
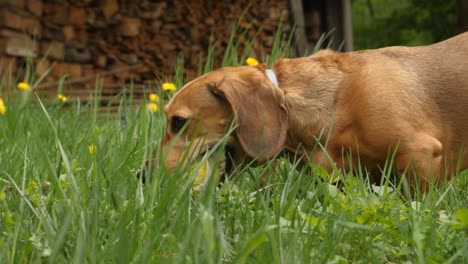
{"points": [[259, 113]]}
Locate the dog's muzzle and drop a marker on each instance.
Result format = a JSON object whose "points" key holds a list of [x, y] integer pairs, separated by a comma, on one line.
{"points": [[227, 166]]}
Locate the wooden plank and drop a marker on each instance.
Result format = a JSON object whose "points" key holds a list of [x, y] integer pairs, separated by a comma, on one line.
{"points": [[300, 33]]}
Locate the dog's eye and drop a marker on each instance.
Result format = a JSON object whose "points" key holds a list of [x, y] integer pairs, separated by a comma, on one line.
{"points": [[177, 123]]}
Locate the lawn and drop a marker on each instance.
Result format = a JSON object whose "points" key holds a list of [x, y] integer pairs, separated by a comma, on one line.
{"points": [[68, 193]]}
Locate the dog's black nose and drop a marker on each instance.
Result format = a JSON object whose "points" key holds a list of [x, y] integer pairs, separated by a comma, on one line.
{"points": [[141, 175]]}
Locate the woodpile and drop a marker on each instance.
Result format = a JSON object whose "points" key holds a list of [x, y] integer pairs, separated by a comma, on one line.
{"points": [[127, 41]]}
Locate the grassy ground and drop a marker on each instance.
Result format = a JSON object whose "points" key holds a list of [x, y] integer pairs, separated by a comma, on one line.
{"points": [[68, 193]]}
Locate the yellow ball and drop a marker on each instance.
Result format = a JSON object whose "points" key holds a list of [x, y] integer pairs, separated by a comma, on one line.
{"points": [[203, 170]]}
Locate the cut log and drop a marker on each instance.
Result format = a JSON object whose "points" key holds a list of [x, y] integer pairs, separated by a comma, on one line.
{"points": [[77, 16], [53, 49], [130, 27], [20, 22], [109, 8], [21, 46]]}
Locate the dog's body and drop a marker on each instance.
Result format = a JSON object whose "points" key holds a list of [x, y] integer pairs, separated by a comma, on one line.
{"points": [[362, 106]]}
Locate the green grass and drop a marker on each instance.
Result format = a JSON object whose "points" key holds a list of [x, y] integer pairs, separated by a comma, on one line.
{"points": [[61, 204]]}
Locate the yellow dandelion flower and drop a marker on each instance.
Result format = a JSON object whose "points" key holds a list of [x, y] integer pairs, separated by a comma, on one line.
{"points": [[168, 87], [251, 61], [23, 86], [2, 107], [153, 107], [62, 98], [153, 97], [92, 149]]}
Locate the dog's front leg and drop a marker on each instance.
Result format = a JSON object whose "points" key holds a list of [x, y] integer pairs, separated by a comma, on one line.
{"points": [[420, 160], [329, 161]]}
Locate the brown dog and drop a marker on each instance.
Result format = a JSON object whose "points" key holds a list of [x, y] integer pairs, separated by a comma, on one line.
{"points": [[364, 106]]}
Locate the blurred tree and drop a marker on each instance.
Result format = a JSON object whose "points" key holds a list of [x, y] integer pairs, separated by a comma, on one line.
{"points": [[462, 12], [379, 23]]}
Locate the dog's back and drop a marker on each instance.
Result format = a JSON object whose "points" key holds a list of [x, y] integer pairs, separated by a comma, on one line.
{"points": [[448, 77], [429, 86]]}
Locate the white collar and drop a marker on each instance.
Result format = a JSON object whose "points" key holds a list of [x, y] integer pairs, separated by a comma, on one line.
{"points": [[272, 76]]}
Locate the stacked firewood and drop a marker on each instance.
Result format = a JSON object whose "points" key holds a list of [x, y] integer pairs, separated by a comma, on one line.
{"points": [[124, 41]]}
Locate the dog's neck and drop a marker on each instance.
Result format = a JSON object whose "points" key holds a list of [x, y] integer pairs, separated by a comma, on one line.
{"points": [[272, 76], [310, 88]]}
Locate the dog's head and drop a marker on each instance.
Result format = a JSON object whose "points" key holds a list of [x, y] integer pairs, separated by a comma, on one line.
{"points": [[200, 114]]}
